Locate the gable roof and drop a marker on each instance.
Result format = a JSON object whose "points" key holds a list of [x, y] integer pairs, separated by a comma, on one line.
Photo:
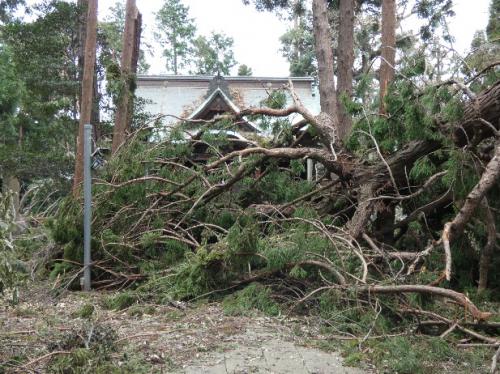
{"points": [[205, 106]]}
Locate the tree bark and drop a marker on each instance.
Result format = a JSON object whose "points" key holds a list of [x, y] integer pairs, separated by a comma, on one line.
{"points": [[388, 55], [135, 62], [87, 90], [82, 34], [324, 55], [487, 252], [345, 62], [485, 106], [128, 62]]}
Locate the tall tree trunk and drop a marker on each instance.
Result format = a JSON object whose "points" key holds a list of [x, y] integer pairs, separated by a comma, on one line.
{"points": [[96, 113], [324, 55], [345, 62], [388, 49], [129, 60], [82, 33], [135, 62], [87, 90]]}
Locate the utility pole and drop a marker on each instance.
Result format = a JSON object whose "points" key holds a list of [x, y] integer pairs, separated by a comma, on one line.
{"points": [[87, 91], [130, 55]]}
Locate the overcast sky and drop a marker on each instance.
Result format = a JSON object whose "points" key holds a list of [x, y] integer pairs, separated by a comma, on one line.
{"points": [[256, 34]]}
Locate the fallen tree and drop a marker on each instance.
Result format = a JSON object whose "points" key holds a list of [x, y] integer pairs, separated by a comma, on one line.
{"points": [[191, 230]]}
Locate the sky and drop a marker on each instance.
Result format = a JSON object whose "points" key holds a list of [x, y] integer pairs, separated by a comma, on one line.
{"points": [[256, 34]]}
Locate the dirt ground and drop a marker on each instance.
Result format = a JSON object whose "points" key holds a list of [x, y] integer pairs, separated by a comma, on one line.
{"points": [[176, 338]]}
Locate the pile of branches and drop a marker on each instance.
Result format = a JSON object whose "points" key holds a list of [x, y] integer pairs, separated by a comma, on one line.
{"points": [[402, 222]]}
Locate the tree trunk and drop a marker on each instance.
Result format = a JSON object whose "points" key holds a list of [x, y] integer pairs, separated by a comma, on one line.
{"points": [[128, 62], [96, 113], [135, 61], [11, 184], [82, 34], [345, 62], [489, 248], [87, 90], [388, 49], [485, 106], [324, 55]]}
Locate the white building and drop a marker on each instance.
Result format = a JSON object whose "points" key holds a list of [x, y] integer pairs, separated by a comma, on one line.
{"points": [[202, 97]]}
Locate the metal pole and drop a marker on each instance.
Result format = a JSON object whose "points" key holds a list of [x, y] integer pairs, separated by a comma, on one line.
{"points": [[87, 204], [310, 166]]}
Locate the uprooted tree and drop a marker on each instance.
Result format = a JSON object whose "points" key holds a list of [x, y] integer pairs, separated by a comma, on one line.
{"points": [[407, 203]]}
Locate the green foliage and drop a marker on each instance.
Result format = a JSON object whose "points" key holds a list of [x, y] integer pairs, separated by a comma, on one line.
{"points": [[460, 177], [419, 354], [434, 12], [175, 33], [422, 169], [86, 311], [60, 269], [244, 71], [243, 236], [36, 115], [253, 297], [120, 301], [298, 48], [7, 8], [11, 271], [203, 271], [110, 36], [282, 188], [213, 55], [493, 28]]}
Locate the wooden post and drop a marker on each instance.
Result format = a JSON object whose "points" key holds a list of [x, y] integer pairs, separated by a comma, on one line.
{"points": [[130, 53], [87, 90]]}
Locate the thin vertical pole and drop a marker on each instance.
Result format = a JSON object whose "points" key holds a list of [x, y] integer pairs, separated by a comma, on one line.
{"points": [[310, 166], [87, 205]]}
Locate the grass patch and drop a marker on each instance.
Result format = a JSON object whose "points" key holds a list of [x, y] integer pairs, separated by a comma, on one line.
{"points": [[120, 301], [414, 355], [85, 311], [253, 297]]}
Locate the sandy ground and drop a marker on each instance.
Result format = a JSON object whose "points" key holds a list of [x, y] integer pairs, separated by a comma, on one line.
{"points": [[177, 338]]}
